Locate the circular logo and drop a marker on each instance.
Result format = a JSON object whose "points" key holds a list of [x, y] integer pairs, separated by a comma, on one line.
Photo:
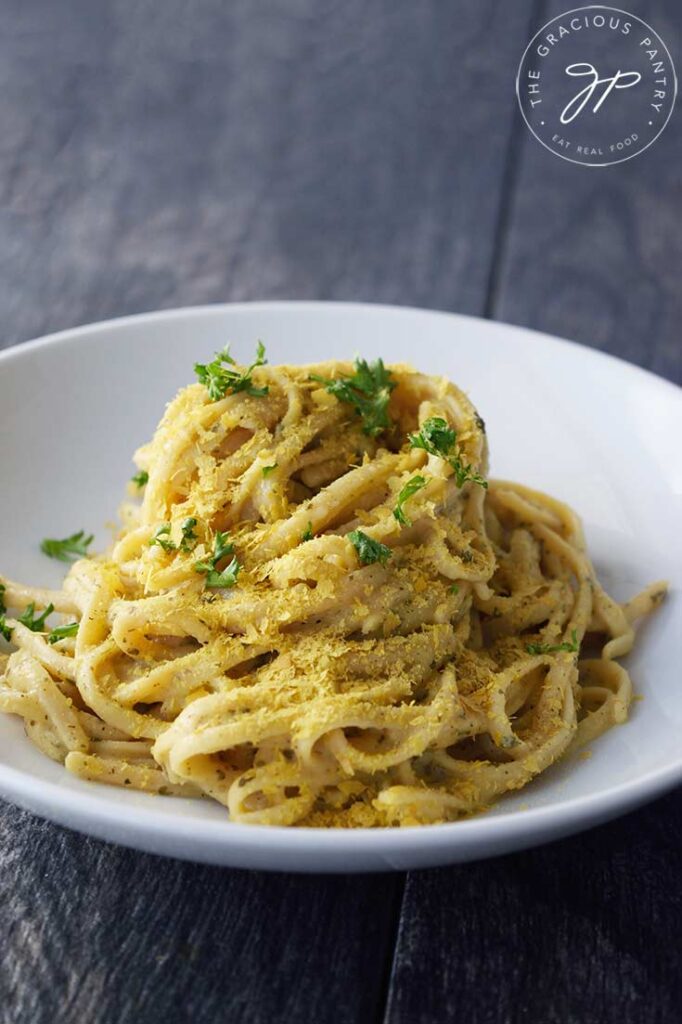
{"points": [[596, 85]]}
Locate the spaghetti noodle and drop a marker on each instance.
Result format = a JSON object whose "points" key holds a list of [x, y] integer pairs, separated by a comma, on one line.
{"points": [[321, 612]]}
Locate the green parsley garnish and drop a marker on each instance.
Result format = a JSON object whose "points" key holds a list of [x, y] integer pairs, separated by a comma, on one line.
{"points": [[368, 390], [220, 380], [267, 470], [572, 647], [307, 533], [214, 578], [226, 578], [410, 488], [437, 438], [162, 537], [75, 546], [189, 537], [453, 588], [140, 479], [62, 632], [4, 628], [369, 550], [36, 623]]}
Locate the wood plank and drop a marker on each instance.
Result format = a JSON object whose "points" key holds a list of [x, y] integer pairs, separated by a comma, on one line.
{"points": [[94, 932], [580, 931], [156, 156], [594, 253], [161, 155]]}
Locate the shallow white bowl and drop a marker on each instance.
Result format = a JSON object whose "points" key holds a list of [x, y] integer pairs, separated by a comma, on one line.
{"points": [[592, 430]]}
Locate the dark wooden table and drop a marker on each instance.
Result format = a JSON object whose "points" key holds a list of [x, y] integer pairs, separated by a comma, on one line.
{"points": [[173, 152]]}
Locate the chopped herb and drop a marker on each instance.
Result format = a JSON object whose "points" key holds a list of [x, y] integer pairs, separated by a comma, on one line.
{"points": [[75, 546], [189, 537], [410, 488], [226, 578], [62, 632], [267, 470], [189, 540], [307, 533], [369, 550], [221, 547], [140, 479], [220, 380], [437, 438], [214, 578], [36, 623], [572, 647], [454, 589], [368, 390], [4, 628], [162, 537]]}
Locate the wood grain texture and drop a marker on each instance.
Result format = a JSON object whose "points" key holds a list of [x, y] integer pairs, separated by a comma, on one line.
{"points": [[161, 154], [164, 154], [584, 931], [95, 933], [594, 253]]}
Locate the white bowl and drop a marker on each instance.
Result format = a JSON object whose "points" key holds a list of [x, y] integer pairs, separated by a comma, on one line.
{"points": [[592, 430]]}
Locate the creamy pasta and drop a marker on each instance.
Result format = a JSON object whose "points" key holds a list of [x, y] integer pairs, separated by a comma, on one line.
{"points": [[321, 612]]}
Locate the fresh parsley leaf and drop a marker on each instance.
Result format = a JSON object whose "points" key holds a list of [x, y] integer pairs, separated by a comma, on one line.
{"points": [[267, 470], [307, 533], [162, 538], [62, 632], [4, 628], [368, 390], [453, 588], [36, 623], [75, 546], [369, 550], [140, 479], [228, 577], [437, 438], [220, 380], [410, 488], [189, 537], [221, 547], [572, 647]]}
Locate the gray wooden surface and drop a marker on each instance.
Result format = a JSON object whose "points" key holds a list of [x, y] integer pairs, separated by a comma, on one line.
{"points": [[168, 153]]}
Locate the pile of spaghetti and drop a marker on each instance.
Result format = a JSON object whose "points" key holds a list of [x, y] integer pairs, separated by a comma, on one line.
{"points": [[320, 612]]}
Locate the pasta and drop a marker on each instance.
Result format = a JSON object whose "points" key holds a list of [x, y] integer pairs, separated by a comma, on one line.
{"points": [[321, 612]]}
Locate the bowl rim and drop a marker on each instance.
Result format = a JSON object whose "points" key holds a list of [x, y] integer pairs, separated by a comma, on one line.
{"points": [[513, 827], [17, 349]]}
